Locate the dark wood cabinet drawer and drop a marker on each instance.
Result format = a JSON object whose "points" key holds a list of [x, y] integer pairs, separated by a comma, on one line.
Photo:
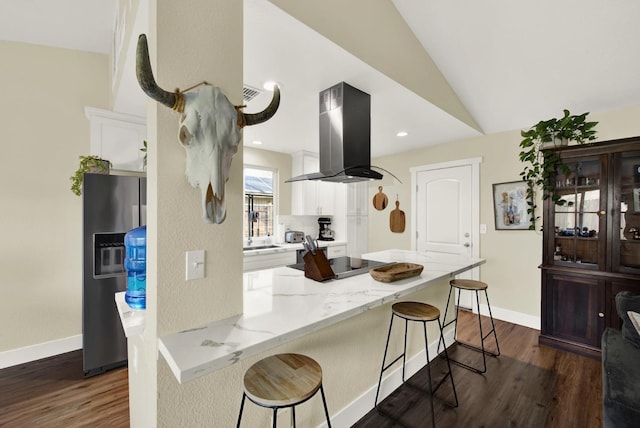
{"points": [[575, 308]]}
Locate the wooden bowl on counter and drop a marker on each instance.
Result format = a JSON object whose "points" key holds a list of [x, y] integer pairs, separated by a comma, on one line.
{"points": [[396, 271]]}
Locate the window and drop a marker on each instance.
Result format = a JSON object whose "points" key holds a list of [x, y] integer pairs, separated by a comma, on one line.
{"points": [[259, 202]]}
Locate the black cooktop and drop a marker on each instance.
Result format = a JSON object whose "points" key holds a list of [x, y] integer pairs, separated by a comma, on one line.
{"points": [[342, 266]]}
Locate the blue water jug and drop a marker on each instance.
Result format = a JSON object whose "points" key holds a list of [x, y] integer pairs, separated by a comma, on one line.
{"points": [[135, 262]]}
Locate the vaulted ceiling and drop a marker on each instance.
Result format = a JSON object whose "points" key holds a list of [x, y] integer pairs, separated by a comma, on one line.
{"points": [[509, 63]]}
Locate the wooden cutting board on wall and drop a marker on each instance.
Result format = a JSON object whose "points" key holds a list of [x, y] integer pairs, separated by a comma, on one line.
{"points": [[380, 200], [397, 219]]}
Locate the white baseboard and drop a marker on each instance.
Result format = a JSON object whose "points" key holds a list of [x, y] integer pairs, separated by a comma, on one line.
{"points": [[362, 405], [512, 317], [391, 380], [17, 356]]}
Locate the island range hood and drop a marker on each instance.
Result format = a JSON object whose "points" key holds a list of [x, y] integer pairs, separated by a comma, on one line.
{"points": [[345, 137]]}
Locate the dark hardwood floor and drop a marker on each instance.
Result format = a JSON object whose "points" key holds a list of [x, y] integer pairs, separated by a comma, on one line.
{"points": [[53, 392], [527, 386]]}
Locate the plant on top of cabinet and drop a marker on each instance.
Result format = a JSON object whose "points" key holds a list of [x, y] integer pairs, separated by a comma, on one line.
{"points": [[541, 164], [144, 150], [91, 164]]}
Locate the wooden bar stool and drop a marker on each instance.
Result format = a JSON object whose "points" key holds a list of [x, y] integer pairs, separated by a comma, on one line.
{"points": [[477, 287], [283, 380], [424, 313]]}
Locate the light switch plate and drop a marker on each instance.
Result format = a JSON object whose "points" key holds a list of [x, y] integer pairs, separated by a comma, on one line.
{"points": [[483, 228], [194, 267]]}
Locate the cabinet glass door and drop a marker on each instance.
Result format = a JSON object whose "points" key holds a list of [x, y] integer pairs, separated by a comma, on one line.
{"points": [[578, 222], [626, 226]]}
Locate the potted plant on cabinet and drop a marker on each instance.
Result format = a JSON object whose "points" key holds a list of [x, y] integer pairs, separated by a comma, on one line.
{"points": [[541, 163], [90, 164], [144, 150]]}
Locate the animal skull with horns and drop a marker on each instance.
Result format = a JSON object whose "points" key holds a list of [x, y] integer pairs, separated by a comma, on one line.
{"points": [[210, 131]]}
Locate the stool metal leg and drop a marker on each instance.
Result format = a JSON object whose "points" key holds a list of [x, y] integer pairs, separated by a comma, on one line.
{"points": [[382, 369], [404, 349], [446, 356], [426, 349], [454, 320], [241, 408], [324, 403], [484, 356], [493, 326], [275, 417]]}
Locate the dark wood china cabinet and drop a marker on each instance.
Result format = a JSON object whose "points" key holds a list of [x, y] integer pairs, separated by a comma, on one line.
{"points": [[591, 247]]}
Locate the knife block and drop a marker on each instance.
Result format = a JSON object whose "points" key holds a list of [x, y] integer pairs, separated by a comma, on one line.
{"points": [[317, 267]]}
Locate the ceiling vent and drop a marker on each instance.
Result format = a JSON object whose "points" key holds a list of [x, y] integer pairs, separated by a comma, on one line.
{"points": [[249, 93]]}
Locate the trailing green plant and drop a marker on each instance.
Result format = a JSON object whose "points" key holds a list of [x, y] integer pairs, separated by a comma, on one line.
{"points": [[541, 163], [144, 150], [87, 164]]}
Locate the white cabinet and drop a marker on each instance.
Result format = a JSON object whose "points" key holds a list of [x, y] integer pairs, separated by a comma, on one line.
{"points": [[310, 197], [117, 137], [357, 198], [357, 235], [334, 251], [355, 223], [268, 260]]}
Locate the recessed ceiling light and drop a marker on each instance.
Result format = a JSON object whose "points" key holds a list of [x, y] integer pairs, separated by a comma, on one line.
{"points": [[257, 142], [402, 134], [269, 85]]}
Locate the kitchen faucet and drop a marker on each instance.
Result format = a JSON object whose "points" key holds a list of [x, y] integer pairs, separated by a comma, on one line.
{"points": [[252, 216]]}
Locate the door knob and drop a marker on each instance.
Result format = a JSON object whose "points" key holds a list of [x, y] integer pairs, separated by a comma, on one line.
{"points": [[600, 314], [466, 244]]}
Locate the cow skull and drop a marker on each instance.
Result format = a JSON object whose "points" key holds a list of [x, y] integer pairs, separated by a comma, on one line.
{"points": [[210, 131]]}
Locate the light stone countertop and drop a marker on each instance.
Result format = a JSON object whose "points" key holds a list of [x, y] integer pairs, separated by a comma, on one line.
{"points": [[287, 247], [281, 305], [132, 319]]}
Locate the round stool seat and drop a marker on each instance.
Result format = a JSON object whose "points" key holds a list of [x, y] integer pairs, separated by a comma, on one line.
{"points": [[468, 284], [416, 311], [282, 380]]}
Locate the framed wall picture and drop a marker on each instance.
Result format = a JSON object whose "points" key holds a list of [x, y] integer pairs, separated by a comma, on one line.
{"points": [[510, 206]]}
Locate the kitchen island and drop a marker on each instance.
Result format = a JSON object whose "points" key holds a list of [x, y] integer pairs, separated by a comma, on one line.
{"points": [[281, 305]]}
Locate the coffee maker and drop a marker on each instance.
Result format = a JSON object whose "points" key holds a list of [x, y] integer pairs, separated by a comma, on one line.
{"points": [[325, 233]]}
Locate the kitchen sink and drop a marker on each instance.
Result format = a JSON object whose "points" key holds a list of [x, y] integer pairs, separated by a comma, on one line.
{"points": [[260, 247]]}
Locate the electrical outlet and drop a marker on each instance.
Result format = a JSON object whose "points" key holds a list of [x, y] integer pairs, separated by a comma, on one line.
{"points": [[194, 267]]}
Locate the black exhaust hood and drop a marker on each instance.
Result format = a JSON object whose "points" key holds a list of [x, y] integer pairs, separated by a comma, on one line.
{"points": [[345, 137]]}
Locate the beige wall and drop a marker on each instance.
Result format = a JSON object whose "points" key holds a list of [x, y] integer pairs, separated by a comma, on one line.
{"points": [[512, 256], [282, 163], [44, 130]]}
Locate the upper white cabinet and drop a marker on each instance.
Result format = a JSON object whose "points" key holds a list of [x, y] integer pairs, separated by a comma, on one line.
{"points": [[357, 235], [357, 196], [310, 197], [117, 137]]}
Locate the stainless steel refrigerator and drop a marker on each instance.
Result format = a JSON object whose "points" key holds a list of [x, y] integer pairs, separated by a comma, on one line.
{"points": [[112, 205]]}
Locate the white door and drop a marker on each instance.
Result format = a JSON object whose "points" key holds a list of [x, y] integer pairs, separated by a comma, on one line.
{"points": [[444, 210], [447, 212]]}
